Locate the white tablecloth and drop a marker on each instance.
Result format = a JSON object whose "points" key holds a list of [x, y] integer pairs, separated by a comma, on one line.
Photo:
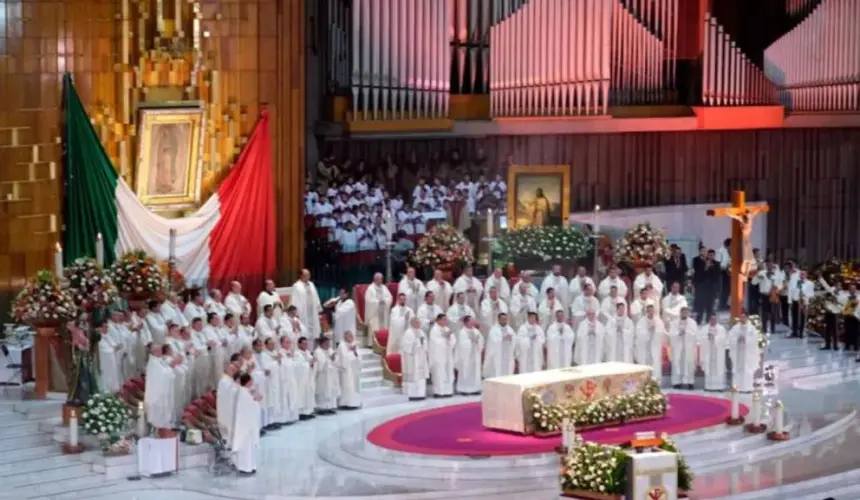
{"points": [[503, 401], [157, 456]]}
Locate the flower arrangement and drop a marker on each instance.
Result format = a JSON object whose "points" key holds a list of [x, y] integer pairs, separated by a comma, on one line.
{"points": [[547, 243], [135, 273], [88, 283], [178, 279], [644, 402], [755, 321], [642, 244], [442, 245], [685, 475], [106, 416], [44, 300]]}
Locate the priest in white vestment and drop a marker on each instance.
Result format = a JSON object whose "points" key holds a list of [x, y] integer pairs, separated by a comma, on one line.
{"points": [[471, 286], [588, 349], [559, 284], [744, 353], [183, 360], [377, 306], [712, 354], [415, 360], [345, 316], [530, 343], [673, 303], [579, 282], [413, 289], [442, 344], [491, 307], [217, 347], [526, 279], [118, 329], [639, 304], [548, 308], [401, 318], [348, 363], [203, 363], [305, 380], [609, 305], [235, 302], [459, 310], [225, 400], [521, 305], [470, 346], [215, 303], [156, 323], [443, 292], [559, 343], [270, 296], [327, 383], [650, 332], [612, 280], [304, 296], [619, 335], [195, 309], [172, 311], [246, 427], [267, 325], [238, 337], [582, 304], [289, 381], [272, 403], [498, 281], [500, 348], [429, 311], [647, 277], [159, 399], [683, 337], [143, 339], [110, 359]]}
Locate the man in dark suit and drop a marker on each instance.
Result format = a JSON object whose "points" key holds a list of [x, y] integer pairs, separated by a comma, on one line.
{"points": [[706, 282], [676, 267]]}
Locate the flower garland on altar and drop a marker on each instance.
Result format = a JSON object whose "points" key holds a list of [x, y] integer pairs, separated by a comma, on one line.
{"points": [[755, 322], [645, 401], [90, 286], [44, 300], [547, 243], [442, 245], [137, 273], [642, 244]]}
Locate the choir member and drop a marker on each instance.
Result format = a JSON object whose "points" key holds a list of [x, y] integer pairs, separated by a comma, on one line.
{"points": [[682, 339], [348, 363], [470, 346], [414, 358], [442, 344], [589, 340], [648, 339], [560, 338], [246, 427], [559, 284], [619, 335], [744, 353], [501, 346], [307, 301], [377, 305], [529, 346], [712, 354]]}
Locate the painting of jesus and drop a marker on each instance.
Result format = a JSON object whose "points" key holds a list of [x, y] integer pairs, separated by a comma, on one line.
{"points": [[538, 195]]}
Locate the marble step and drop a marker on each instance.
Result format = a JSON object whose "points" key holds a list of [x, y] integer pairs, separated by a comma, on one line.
{"points": [[42, 464], [371, 362], [10, 427], [51, 486], [372, 383], [372, 372], [32, 453], [383, 395], [22, 441], [28, 478]]}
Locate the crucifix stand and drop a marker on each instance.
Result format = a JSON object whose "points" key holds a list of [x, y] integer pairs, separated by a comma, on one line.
{"points": [[742, 216]]}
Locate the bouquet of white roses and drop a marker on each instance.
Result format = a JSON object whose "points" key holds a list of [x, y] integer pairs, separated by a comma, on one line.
{"points": [[594, 467], [642, 244], [88, 283], [135, 273], [44, 300], [442, 245], [105, 414], [547, 243]]}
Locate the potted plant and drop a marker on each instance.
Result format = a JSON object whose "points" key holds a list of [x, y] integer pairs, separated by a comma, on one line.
{"points": [[44, 302], [533, 246], [642, 246], [89, 285], [444, 248], [105, 416], [137, 276]]}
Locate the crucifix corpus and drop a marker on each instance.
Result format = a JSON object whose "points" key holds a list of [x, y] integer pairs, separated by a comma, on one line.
{"points": [[742, 216]]}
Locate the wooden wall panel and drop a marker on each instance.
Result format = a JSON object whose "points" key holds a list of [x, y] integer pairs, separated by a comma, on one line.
{"points": [[811, 177]]}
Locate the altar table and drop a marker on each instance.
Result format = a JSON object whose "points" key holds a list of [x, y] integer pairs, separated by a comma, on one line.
{"points": [[504, 400]]}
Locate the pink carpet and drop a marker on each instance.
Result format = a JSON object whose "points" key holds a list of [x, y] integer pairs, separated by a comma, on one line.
{"points": [[457, 430]]}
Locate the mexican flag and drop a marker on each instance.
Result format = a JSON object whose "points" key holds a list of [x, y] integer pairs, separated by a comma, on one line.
{"points": [[232, 236]]}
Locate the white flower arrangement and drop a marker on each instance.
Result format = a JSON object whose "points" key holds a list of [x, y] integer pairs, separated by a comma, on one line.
{"points": [[105, 414], [642, 244], [88, 283], [44, 300], [595, 468], [547, 243], [135, 273]]}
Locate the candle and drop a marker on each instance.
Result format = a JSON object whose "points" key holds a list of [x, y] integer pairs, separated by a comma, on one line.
{"points": [[490, 223], [141, 420], [100, 249], [35, 154], [736, 410], [178, 17], [756, 409], [596, 224], [172, 247], [58, 261], [565, 436], [73, 428], [779, 418]]}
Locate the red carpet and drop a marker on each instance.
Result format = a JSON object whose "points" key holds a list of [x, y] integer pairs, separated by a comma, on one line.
{"points": [[457, 430]]}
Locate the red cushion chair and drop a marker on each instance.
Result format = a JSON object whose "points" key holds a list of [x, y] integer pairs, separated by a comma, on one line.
{"points": [[380, 341], [392, 288], [358, 292], [392, 369]]}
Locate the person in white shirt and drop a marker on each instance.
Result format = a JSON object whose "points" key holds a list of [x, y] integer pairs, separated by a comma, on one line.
{"points": [[649, 278], [458, 311], [548, 308], [589, 340], [744, 353], [470, 346], [497, 280], [683, 333], [582, 304], [613, 280], [801, 294], [609, 305], [348, 239], [712, 354], [833, 307], [443, 292], [579, 282], [442, 344], [529, 347], [650, 332], [673, 303], [619, 335], [724, 257], [557, 282], [235, 302], [471, 286], [767, 280], [522, 304], [413, 289], [559, 343]]}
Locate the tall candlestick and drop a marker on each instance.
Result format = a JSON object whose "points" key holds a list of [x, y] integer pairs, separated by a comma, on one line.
{"points": [[141, 420], [596, 224], [779, 418], [100, 249], [73, 428], [490, 223], [736, 410], [58, 261], [756, 409], [172, 246]]}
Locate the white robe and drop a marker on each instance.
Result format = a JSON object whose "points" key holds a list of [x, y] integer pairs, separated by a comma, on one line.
{"points": [[213, 306], [127, 363], [501, 285], [193, 311], [401, 316], [289, 386], [348, 362], [159, 399], [472, 288], [427, 314], [606, 286], [608, 308], [642, 281], [546, 312], [142, 342], [171, 312], [649, 345], [682, 339], [499, 356], [183, 380], [217, 354], [712, 356], [744, 353], [442, 343], [110, 361], [272, 404], [237, 304], [529, 350], [490, 310], [619, 334], [521, 305], [270, 299], [377, 305], [307, 301], [345, 319], [265, 328], [225, 404], [414, 291], [246, 431], [327, 389], [456, 313], [443, 292], [589, 343], [157, 326], [305, 369], [470, 346], [581, 305], [415, 362], [637, 310], [561, 287], [672, 305], [576, 284], [202, 363], [559, 345]]}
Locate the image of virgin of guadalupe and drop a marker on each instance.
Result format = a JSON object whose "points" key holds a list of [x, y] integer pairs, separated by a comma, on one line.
{"points": [[83, 380]]}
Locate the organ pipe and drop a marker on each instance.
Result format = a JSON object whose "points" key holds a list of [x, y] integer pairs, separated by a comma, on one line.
{"points": [[637, 73]]}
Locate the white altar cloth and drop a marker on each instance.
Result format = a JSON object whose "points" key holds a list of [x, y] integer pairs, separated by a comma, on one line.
{"points": [[504, 399]]}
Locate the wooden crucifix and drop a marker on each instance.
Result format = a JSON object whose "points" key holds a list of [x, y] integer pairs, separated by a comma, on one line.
{"points": [[742, 216]]}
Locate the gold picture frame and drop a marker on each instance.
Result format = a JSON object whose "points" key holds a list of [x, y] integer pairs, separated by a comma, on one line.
{"points": [[170, 157], [553, 182]]}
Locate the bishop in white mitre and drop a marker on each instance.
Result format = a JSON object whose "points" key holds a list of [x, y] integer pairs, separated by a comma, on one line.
{"points": [[305, 370], [673, 303], [609, 305], [521, 305], [645, 279], [415, 362], [443, 292], [348, 362], [500, 348], [215, 303], [442, 344], [345, 316], [683, 337], [579, 282], [744, 353], [650, 332], [491, 307], [530, 343], [270, 296], [459, 310], [469, 350], [582, 304], [589, 340], [471, 286], [712, 354], [429, 312], [559, 284], [267, 325], [159, 400], [612, 280], [619, 334], [155, 322], [235, 302], [327, 380], [272, 404], [560, 338], [225, 399], [498, 281], [377, 306], [246, 426], [304, 296], [413, 289], [401, 318], [289, 381], [548, 308], [639, 304]]}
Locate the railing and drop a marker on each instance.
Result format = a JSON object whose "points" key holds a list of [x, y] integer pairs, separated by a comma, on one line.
{"points": [[729, 78], [637, 71], [816, 66]]}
